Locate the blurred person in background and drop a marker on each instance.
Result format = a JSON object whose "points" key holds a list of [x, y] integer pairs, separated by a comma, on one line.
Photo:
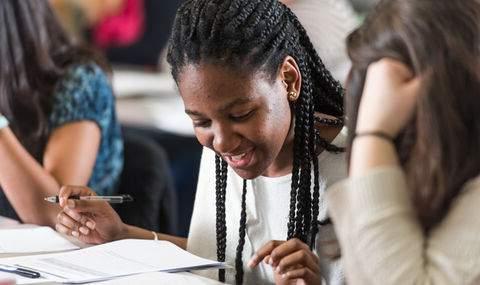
{"points": [[409, 212], [78, 15], [57, 115], [328, 23], [128, 32]]}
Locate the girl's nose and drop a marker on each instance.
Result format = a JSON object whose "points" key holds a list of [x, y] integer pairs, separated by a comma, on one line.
{"points": [[225, 140]]}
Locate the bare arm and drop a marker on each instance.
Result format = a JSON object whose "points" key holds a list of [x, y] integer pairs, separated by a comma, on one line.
{"points": [[68, 159], [390, 88], [135, 232]]}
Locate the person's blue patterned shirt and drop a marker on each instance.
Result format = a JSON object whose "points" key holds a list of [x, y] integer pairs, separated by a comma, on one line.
{"points": [[85, 93]]}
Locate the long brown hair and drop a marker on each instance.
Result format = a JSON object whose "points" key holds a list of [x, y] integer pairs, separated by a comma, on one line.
{"points": [[440, 148], [34, 53]]}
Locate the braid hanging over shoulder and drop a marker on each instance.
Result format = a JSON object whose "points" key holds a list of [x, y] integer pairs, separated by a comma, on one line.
{"points": [[257, 35]]}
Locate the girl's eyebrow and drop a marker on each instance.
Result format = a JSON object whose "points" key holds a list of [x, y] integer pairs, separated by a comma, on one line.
{"points": [[238, 101]]}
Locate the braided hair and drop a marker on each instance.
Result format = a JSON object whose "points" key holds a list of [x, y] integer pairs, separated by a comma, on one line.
{"points": [[257, 35]]}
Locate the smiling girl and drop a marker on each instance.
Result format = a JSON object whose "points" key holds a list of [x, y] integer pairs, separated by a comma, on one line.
{"points": [[270, 117]]}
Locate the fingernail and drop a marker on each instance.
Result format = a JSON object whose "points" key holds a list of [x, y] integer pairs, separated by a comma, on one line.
{"points": [[284, 275], [84, 230], [277, 269], [71, 204], [74, 215], [75, 234], [251, 263], [90, 225]]}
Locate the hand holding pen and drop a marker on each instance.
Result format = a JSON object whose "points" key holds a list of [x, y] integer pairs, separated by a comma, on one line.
{"points": [[90, 222]]}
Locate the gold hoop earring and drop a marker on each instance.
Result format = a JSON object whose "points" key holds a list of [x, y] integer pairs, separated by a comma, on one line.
{"points": [[292, 96]]}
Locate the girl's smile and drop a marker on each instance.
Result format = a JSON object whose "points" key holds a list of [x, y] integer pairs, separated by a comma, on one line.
{"points": [[241, 160]]}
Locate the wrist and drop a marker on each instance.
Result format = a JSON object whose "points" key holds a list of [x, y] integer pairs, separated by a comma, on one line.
{"points": [[124, 233]]}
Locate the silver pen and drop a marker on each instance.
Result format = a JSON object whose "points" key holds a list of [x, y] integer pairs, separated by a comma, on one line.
{"points": [[110, 199], [19, 271]]}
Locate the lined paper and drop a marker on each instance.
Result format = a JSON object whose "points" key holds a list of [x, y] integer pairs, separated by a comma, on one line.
{"points": [[110, 260]]}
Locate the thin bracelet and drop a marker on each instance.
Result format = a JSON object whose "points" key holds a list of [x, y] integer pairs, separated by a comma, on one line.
{"points": [[378, 134], [155, 235]]}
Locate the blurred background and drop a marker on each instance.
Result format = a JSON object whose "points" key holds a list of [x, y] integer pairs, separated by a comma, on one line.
{"points": [[133, 35]]}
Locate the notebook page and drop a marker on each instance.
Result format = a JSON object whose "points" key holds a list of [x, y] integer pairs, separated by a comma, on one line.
{"points": [[119, 258]]}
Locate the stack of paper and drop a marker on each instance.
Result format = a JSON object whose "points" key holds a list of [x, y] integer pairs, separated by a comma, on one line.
{"points": [[103, 262], [33, 240]]}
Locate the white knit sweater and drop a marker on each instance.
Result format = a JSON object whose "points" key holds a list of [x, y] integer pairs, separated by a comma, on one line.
{"points": [[382, 241]]}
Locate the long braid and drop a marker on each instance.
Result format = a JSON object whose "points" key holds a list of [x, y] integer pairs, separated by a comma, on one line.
{"points": [[221, 225], [304, 168], [241, 233], [308, 140], [252, 36], [314, 205], [297, 152], [303, 211]]}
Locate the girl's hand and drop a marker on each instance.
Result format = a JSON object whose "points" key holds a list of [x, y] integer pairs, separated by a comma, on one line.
{"points": [[92, 222], [389, 97], [292, 261]]}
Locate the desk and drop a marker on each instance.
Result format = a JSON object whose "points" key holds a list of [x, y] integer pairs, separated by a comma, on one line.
{"points": [[150, 99], [162, 113], [145, 278]]}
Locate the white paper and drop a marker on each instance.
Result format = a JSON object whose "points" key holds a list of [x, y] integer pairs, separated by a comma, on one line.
{"points": [[162, 278], [33, 240], [119, 258]]}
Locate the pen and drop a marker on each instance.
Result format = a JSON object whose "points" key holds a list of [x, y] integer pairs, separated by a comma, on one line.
{"points": [[19, 271], [110, 199]]}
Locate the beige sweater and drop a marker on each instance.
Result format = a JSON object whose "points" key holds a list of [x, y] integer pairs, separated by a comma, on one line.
{"points": [[381, 239]]}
